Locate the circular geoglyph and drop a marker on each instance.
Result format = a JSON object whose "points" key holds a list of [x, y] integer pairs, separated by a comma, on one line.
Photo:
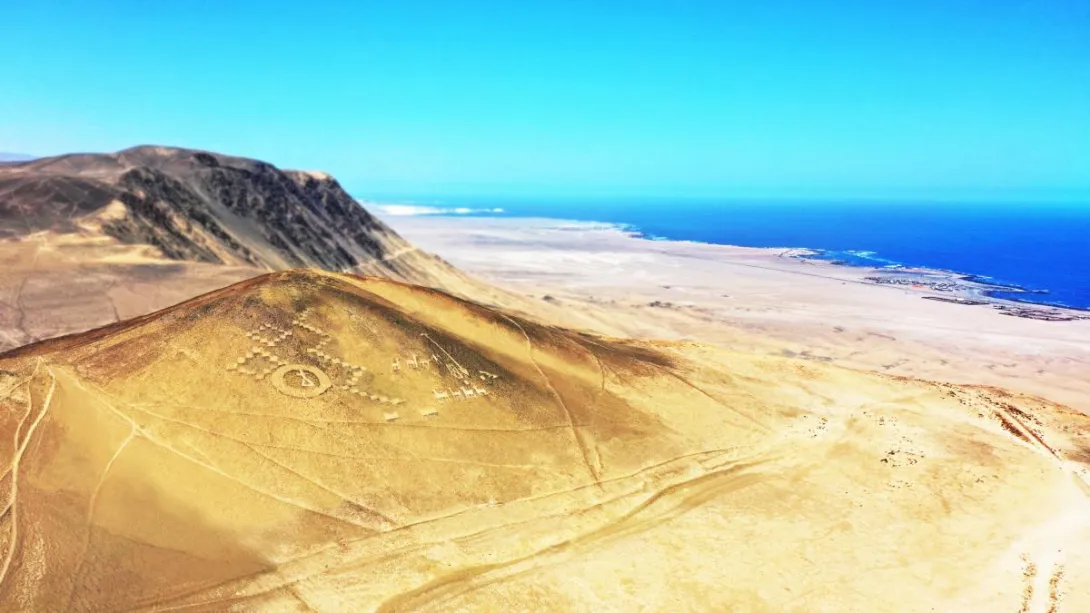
{"points": [[300, 380]]}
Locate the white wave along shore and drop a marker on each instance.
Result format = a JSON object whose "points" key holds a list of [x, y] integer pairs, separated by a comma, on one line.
{"points": [[413, 209]]}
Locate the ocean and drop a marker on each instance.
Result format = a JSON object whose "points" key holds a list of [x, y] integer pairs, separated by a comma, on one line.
{"points": [[1037, 247]]}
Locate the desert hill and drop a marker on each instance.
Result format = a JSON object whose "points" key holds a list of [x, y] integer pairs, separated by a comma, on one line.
{"points": [[197, 206], [308, 441], [86, 239], [14, 157]]}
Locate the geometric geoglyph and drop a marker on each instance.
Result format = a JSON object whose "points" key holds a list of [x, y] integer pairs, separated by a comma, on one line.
{"points": [[292, 379], [300, 380]]}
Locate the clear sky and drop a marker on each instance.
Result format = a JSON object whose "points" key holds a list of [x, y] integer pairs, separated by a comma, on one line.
{"points": [[868, 98]]}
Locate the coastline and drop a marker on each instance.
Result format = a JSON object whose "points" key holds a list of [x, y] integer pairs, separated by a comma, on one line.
{"points": [[608, 279], [963, 287], [966, 285]]}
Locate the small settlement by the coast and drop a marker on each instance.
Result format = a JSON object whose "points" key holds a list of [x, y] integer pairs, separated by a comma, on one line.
{"points": [[966, 290]]}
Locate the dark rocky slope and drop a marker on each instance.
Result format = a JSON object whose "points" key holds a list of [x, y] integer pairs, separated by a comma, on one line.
{"points": [[195, 205]]}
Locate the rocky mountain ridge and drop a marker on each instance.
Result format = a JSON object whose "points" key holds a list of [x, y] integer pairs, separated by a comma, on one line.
{"points": [[197, 206]]}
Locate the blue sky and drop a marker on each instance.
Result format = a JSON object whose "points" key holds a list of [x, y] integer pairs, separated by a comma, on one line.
{"points": [[921, 99]]}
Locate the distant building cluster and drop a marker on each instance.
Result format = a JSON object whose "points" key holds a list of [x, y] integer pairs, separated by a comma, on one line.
{"points": [[938, 286]]}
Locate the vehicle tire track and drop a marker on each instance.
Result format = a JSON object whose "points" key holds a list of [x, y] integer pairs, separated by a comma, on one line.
{"points": [[703, 489], [215, 469], [91, 513], [594, 473], [160, 606], [763, 426], [13, 508]]}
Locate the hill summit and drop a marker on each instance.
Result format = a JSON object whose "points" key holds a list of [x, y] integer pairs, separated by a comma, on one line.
{"points": [[200, 206], [88, 239], [309, 441]]}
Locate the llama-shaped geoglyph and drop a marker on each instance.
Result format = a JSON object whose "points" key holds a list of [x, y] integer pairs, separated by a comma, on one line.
{"points": [[306, 380]]}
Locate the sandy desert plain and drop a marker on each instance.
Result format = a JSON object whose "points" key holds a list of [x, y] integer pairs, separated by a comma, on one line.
{"points": [[605, 278], [569, 418]]}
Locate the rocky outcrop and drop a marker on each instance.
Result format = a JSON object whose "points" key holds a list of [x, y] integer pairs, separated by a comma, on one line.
{"points": [[200, 206]]}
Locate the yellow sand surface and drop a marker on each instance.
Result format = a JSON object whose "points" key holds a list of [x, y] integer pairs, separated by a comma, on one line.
{"points": [[601, 278], [306, 441]]}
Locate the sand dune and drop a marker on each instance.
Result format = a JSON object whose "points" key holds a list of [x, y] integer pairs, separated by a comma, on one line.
{"points": [[311, 441]]}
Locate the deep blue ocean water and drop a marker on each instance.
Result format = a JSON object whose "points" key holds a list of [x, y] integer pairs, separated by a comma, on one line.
{"points": [[1033, 246]]}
